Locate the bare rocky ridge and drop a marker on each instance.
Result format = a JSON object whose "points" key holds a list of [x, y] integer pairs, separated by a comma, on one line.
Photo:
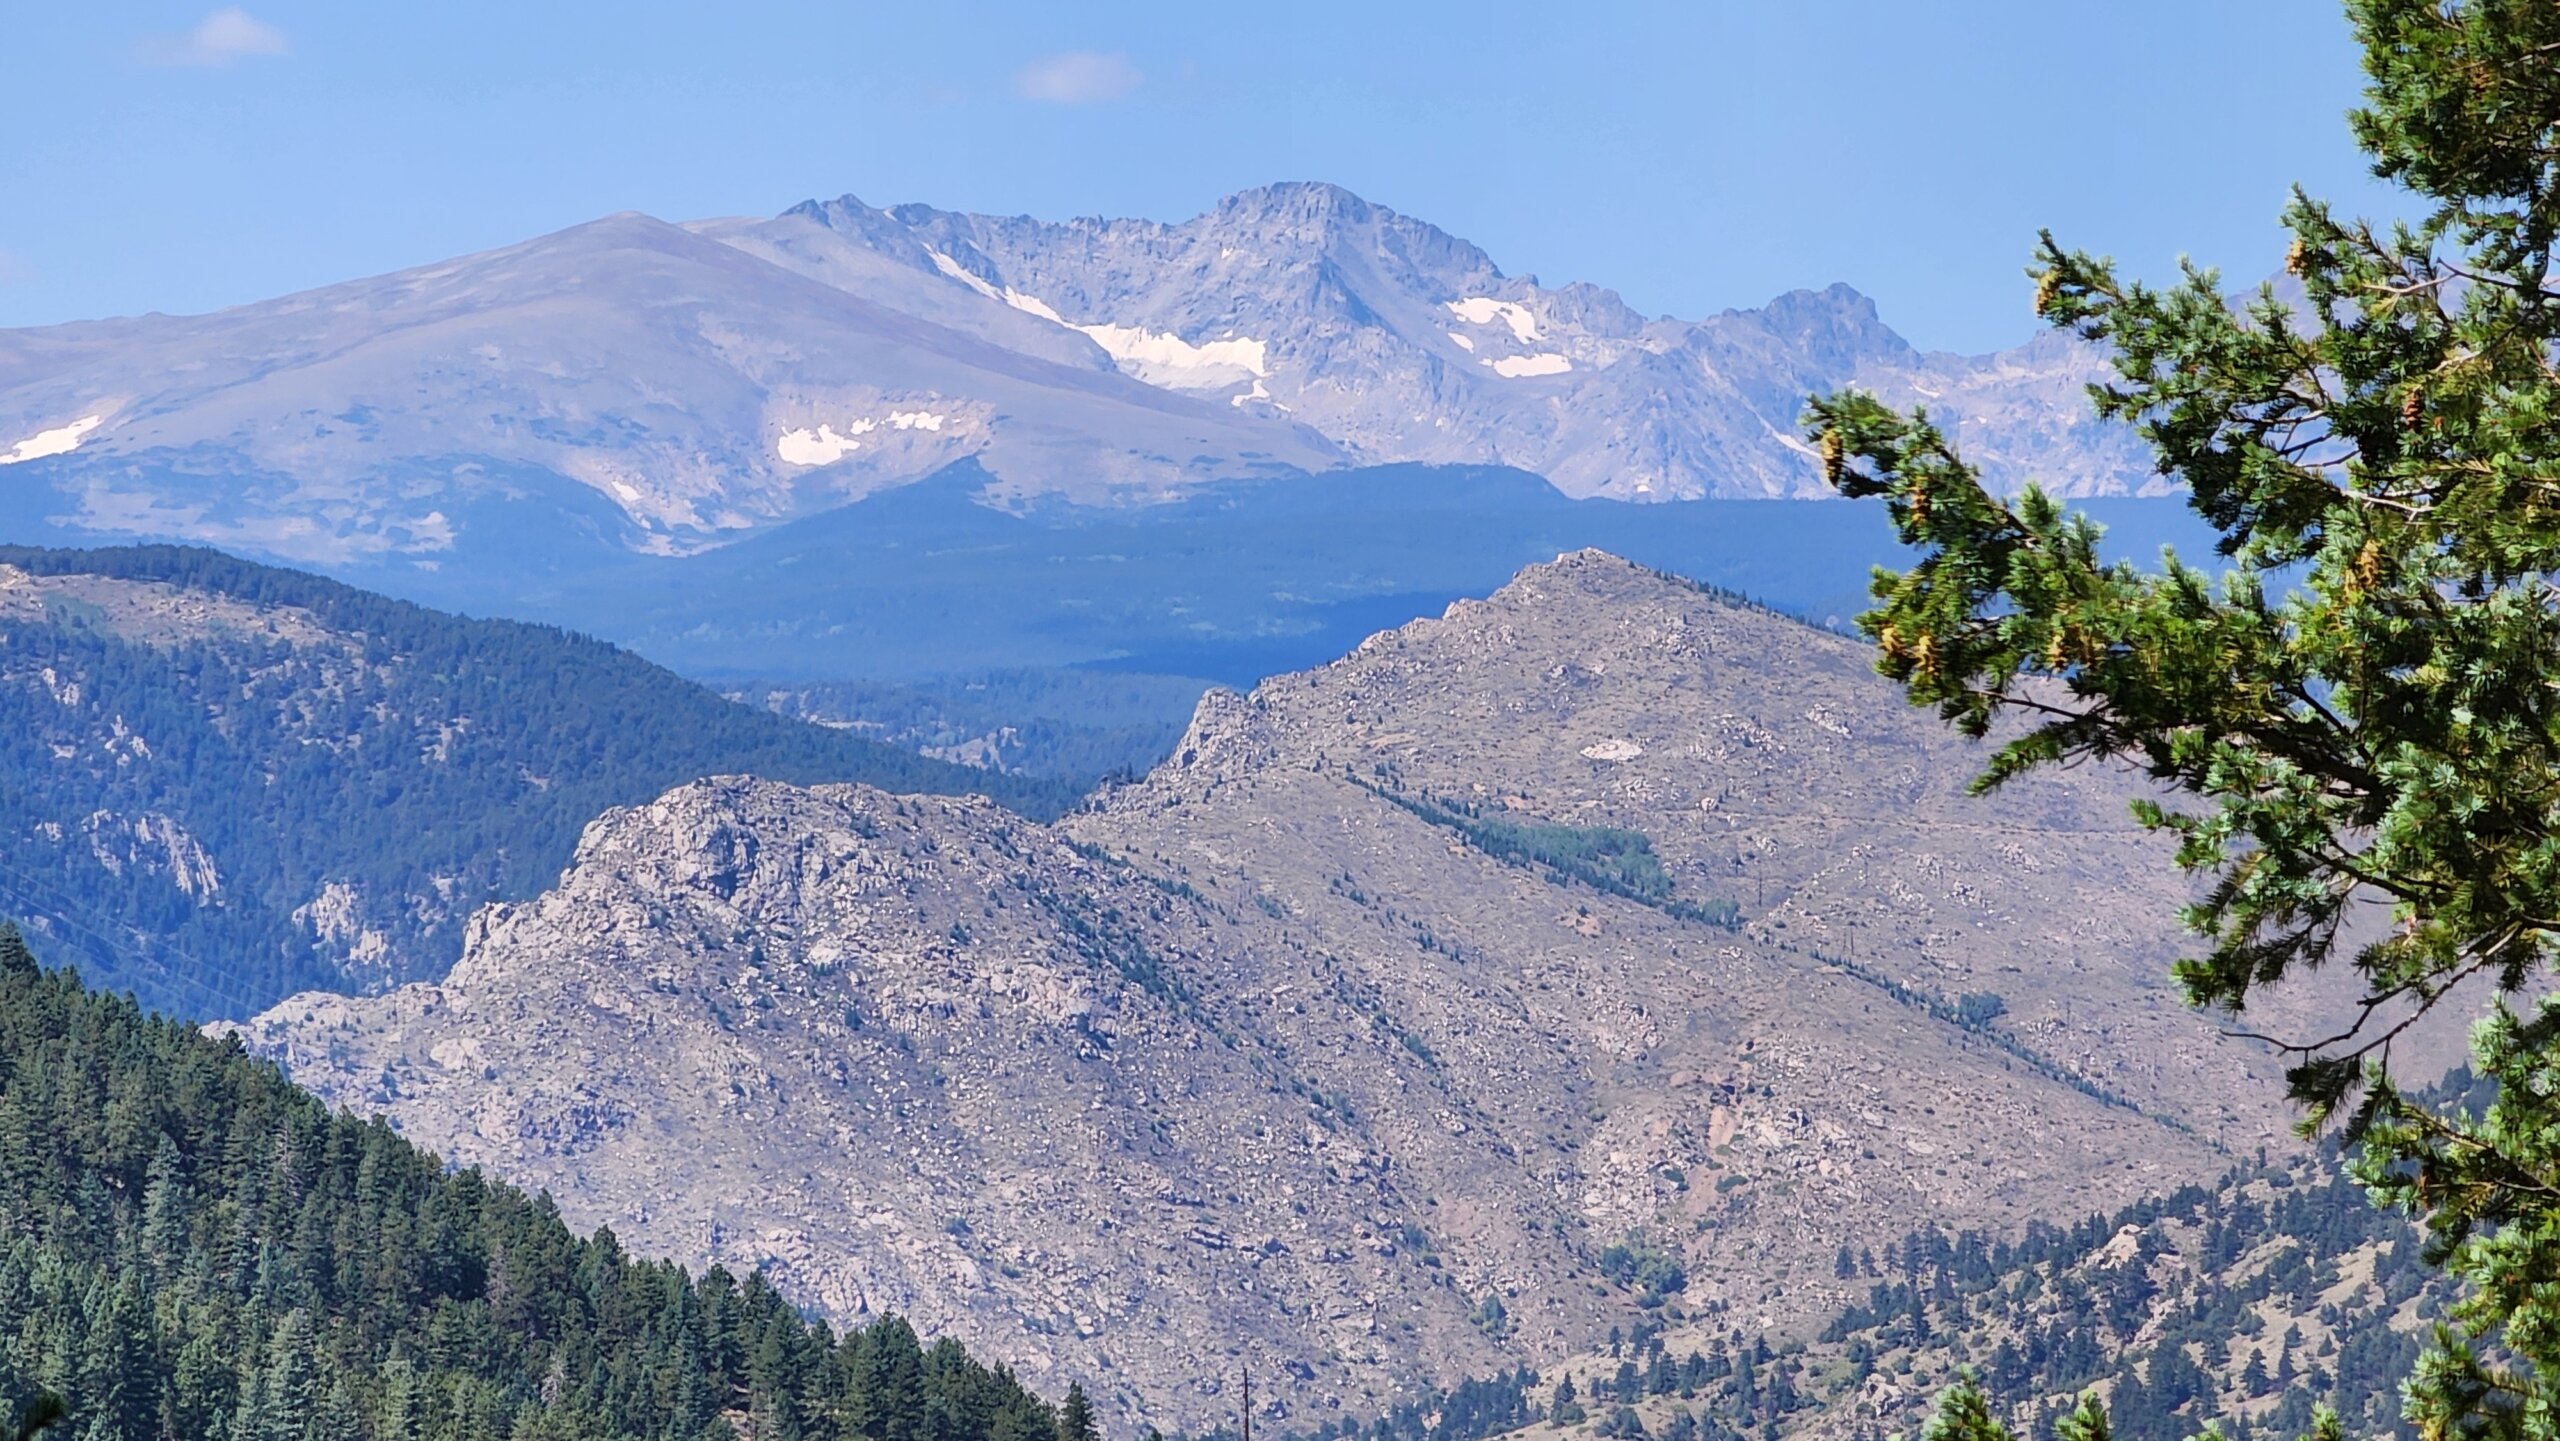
{"points": [[1266, 1057]]}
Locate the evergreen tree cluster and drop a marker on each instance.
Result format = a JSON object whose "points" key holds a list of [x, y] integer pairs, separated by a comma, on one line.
{"points": [[191, 1249], [1729, 1390], [2161, 1305], [1611, 859], [2065, 1310], [1469, 1411], [430, 764]]}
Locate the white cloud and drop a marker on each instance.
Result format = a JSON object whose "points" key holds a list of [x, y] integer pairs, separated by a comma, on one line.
{"points": [[1078, 77], [226, 35]]}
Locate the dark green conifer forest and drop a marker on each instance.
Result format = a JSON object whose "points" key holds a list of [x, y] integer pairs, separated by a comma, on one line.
{"points": [[191, 1249]]}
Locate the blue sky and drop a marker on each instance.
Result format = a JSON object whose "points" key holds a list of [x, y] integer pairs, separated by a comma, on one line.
{"points": [[1693, 156]]}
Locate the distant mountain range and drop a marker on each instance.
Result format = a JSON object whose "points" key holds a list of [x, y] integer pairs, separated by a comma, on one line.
{"points": [[635, 385], [1230, 583]]}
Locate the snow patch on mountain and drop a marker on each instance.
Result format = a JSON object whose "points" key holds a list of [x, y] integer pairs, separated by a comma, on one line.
{"points": [[825, 445], [1034, 305], [822, 446], [61, 440], [1484, 310], [961, 273], [1027, 304], [1166, 359], [1154, 356], [1518, 366]]}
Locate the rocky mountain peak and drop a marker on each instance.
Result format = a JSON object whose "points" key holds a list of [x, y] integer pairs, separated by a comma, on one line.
{"points": [[1835, 325], [1316, 199], [1589, 568], [1323, 217], [849, 216]]}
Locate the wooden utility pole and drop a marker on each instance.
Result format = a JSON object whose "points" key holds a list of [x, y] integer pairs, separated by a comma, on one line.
{"points": [[1248, 1403]]}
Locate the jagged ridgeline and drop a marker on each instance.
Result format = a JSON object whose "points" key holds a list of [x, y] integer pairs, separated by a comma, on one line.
{"points": [[221, 782], [196, 1248]]}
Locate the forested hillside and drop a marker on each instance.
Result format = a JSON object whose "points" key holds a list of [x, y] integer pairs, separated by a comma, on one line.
{"points": [[222, 782], [2244, 1305], [1056, 722], [196, 1249]]}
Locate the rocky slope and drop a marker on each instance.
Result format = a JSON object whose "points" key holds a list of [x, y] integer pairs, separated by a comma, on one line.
{"points": [[631, 384], [1605, 913]]}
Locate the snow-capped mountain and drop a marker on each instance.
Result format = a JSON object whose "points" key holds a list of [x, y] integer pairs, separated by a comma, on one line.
{"points": [[626, 375], [1401, 342], [670, 387]]}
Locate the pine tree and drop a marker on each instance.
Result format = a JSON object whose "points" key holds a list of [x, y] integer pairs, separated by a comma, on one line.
{"points": [[2358, 715], [888, 1390], [165, 1206], [119, 1378], [1563, 1409], [1964, 1414], [203, 1388], [2254, 1380], [400, 1415], [1075, 1416], [288, 1388], [335, 1420], [2084, 1422], [774, 1376]]}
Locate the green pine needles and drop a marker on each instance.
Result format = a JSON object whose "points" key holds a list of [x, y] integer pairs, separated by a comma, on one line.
{"points": [[2360, 722]]}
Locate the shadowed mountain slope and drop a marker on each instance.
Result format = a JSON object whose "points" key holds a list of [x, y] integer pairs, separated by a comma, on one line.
{"points": [[221, 782]]}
